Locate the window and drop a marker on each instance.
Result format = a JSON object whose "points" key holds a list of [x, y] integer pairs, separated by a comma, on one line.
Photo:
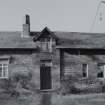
{"points": [[101, 68], [46, 45], [85, 70], [3, 69]]}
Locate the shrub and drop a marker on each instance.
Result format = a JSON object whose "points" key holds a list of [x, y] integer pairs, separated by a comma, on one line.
{"points": [[16, 81], [68, 85], [74, 85], [22, 77]]}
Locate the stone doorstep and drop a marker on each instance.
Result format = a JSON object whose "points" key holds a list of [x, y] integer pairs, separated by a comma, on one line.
{"points": [[47, 90]]}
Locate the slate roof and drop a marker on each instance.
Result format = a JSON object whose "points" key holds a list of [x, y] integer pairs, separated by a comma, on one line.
{"points": [[77, 39], [14, 40], [80, 40], [65, 40]]}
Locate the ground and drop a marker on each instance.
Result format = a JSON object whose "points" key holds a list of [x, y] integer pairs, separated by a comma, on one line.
{"points": [[45, 98]]}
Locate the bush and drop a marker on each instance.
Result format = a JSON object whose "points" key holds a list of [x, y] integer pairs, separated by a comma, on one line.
{"points": [[18, 80], [74, 85], [22, 77], [68, 85]]}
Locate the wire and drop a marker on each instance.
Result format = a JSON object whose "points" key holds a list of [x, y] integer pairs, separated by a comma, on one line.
{"points": [[96, 15]]}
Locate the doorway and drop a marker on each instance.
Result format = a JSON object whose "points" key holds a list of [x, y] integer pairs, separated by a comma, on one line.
{"points": [[45, 75]]}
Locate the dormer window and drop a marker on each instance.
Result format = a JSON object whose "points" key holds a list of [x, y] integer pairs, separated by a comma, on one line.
{"points": [[46, 40], [46, 45]]}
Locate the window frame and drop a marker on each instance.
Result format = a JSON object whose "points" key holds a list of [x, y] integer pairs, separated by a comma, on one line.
{"points": [[4, 68], [46, 45], [103, 71]]}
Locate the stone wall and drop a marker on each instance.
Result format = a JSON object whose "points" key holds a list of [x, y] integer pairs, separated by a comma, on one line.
{"points": [[21, 61], [73, 64]]}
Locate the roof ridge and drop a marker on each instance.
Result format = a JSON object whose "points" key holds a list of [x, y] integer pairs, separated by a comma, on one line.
{"points": [[81, 33]]}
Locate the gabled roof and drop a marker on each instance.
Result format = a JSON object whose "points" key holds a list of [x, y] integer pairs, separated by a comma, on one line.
{"points": [[64, 39], [45, 31], [14, 40], [76, 39]]}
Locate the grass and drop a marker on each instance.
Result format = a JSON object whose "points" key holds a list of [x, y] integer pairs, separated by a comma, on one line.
{"points": [[89, 99], [53, 99]]}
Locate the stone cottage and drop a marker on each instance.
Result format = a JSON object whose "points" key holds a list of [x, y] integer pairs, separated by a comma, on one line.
{"points": [[51, 56]]}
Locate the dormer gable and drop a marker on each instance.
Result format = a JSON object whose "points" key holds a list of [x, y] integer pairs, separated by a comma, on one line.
{"points": [[46, 40], [45, 33]]}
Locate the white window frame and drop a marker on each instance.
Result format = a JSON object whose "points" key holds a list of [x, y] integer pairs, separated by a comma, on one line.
{"points": [[3, 65], [87, 70], [104, 72]]}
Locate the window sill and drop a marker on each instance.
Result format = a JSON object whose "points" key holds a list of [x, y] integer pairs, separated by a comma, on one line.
{"points": [[3, 77], [101, 78]]}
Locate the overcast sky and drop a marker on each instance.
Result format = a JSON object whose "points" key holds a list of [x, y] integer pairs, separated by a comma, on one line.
{"points": [[58, 15]]}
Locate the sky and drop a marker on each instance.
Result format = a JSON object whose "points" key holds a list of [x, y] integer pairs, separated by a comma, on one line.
{"points": [[57, 15]]}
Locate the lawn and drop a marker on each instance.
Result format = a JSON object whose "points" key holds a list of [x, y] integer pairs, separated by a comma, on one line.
{"points": [[53, 99], [89, 99]]}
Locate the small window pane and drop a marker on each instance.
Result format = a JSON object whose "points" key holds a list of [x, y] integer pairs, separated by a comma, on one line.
{"points": [[84, 74], [5, 64], [44, 46], [5, 71], [100, 75]]}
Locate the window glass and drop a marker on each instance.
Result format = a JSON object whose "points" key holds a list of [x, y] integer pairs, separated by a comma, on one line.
{"points": [[3, 68], [5, 64], [1, 65], [5, 71], [101, 69], [46, 45], [85, 70], [100, 75]]}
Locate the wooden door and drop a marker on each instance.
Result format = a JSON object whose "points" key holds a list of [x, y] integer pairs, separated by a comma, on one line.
{"points": [[45, 77]]}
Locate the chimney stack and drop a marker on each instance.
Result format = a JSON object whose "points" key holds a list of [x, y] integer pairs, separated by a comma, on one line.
{"points": [[26, 26]]}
